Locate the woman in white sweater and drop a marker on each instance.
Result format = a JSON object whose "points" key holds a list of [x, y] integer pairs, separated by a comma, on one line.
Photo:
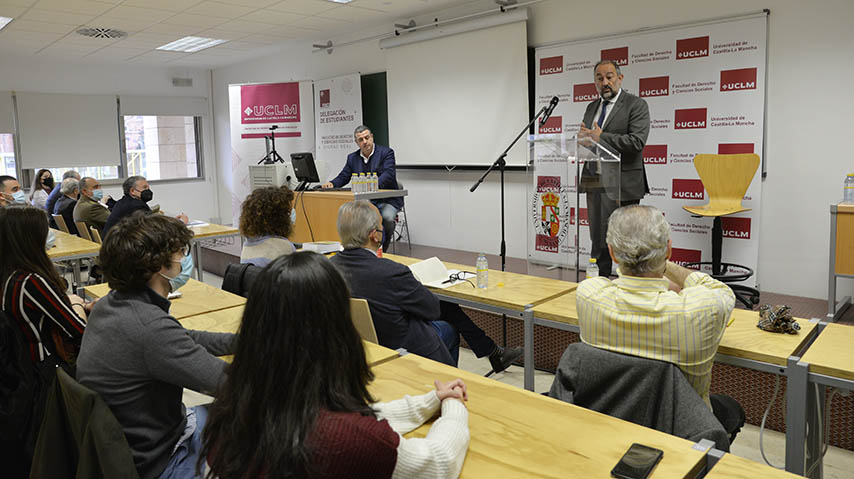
{"points": [[295, 402], [42, 186]]}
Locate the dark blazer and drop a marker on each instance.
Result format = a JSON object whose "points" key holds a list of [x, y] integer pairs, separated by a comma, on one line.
{"points": [[65, 208], [625, 132], [381, 162], [125, 206], [400, 305], [52, 198]]}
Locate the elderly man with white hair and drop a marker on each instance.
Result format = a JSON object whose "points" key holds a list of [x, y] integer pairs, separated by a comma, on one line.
{"points": [[638, 314], [70, 190]]}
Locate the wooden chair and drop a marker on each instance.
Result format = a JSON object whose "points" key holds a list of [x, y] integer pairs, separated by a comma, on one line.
{"points": [[82, 230], [361, 313], [60, 223], [726, 179], [95, 234]]}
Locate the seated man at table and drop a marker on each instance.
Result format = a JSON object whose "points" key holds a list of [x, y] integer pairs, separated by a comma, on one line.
{"points": [[89, 208], [139, 358], [379, 159], [405, 313], [70, 190], [137, 194], [55, 195], [11, 192], [637, 314]]}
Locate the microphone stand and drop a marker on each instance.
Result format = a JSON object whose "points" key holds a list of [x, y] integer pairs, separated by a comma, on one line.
{"points": [[500, 163], [273, 156]]}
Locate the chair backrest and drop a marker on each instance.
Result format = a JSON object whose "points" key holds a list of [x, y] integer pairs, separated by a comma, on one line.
{"points": [[361, 313], [82, 230], [60, 223], [644, 391], [95, 234], [726, 179], [79, 433], [239, 278]]}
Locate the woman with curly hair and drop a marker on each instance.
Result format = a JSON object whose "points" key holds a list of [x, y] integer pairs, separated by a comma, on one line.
{"points": [[267, 219]]}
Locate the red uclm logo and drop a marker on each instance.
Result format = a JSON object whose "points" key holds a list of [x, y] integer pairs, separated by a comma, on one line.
{"points": [[655, 86], [682, 256], [620, 55], [734, 148], [655, 155], [324, 98], [552, 125], [738, 228], [582, 217], [551, 65], [690, 118], [584, 92], [687, 189], [741, 79], [692, 48], [572, 215]]}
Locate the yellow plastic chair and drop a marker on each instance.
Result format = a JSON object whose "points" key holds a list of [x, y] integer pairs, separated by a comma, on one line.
{"points": [[60, 223], [361, 313]]}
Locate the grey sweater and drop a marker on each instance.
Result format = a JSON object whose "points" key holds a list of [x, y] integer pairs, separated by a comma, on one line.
{"points": [[139, 358]]}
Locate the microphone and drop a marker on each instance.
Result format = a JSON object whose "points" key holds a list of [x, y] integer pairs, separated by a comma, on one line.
{"points": [[549, 110]]}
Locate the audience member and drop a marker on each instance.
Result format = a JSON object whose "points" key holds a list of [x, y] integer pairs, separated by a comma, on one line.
{"points": [[138, 357], [405, 313], [42, 187], [11, 192], [295, 402], [637, 314], [267, 219], [70, 190], [137, 194], [49, 322], [53, 197], [89, 208]]}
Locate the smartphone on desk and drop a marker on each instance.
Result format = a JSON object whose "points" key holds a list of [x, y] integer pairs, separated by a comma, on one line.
{"points": [[637, 463]]}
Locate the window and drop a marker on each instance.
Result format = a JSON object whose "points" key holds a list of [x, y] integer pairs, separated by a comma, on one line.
{"points": [[99, 172], [7, 155], [162, 147]]}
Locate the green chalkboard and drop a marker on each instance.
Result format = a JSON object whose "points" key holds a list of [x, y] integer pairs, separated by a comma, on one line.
{"points": [[375, 106]]}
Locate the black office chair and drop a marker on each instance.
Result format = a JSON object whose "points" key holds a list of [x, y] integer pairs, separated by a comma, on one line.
{"points": [[401, 226]]}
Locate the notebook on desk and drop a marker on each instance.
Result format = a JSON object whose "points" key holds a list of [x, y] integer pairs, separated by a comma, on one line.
{"points": [[432, 273]]}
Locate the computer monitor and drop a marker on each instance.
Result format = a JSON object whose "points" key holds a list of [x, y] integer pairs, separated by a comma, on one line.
{"points": [[304, 168]]}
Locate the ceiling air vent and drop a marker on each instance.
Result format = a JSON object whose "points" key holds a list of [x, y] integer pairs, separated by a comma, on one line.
{"points": [[97, 32]]}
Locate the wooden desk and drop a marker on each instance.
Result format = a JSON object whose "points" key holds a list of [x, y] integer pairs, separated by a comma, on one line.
{"points": [[228, 321], [832, 354], [321, 207], [517, 433], [742, 339], [512, 294], [841, 256], [73, 248], [734, 467], [561, 310], [207, 232], [196, 298]]}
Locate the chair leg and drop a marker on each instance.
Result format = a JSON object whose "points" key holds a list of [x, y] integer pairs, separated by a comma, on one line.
{"points": [[406, 226]]}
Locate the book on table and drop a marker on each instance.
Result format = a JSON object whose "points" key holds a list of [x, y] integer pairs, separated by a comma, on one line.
{"points": [[432, 273]]}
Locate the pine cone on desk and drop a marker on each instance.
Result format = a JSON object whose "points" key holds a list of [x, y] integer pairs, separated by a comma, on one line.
{"points": [[777, 319]]}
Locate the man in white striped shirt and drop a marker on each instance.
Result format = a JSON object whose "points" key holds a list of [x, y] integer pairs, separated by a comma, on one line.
{"points": [[638, 313]]}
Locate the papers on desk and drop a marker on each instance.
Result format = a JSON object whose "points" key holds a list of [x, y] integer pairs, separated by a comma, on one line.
{"points": [[432, 273], [197, 223], [323, 247]]}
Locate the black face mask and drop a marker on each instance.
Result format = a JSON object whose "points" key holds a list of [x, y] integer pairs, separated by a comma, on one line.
{"points": [[48, 182], [146, 195]]}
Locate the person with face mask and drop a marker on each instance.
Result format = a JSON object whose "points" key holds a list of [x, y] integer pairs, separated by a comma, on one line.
{"points": [[267, 219], [138, 357], [89, 208], [70, 190], [55, 195], [137, 194], [42, 187], [11, 192]]}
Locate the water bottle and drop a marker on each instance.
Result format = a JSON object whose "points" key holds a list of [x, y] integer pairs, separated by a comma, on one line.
{"points": [[354, 179], [482, 268], [362, 183], [848, 194], [592, 268], [375, 182]]}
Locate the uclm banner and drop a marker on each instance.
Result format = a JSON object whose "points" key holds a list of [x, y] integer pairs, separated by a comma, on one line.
{"points": [[253, 108], [338, 103], [704, 85]]}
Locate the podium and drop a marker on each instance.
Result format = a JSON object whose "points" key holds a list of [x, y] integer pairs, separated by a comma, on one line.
{"points": [[559, 170], [317, 212]]}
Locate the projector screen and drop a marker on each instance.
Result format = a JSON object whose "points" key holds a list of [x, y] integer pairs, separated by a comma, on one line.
{"points": [[459, 99]]}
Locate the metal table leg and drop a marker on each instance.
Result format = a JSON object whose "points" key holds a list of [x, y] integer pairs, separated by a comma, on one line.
{"points": [[528, 318], [797, 374], [197, 247], [76, 274]]}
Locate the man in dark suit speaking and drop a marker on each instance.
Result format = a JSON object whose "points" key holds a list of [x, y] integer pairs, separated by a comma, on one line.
{"points": [[372, 158], [620, 122]]}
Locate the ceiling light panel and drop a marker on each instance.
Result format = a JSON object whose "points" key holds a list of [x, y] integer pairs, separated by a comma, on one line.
{"points": [[190, 44]]}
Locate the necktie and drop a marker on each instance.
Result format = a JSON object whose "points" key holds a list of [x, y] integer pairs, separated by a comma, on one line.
{"points": [[604, 111]]}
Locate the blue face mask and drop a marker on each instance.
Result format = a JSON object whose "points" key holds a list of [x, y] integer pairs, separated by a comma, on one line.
{"points": [[183, 276], [97, 195], [20, 197], [293, 217]]}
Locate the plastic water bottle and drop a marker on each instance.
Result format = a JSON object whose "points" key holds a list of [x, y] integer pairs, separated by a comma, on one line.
{"points": [[375, 182], [592, 268], [848, 193], [482, 268], [362, 183], [354, 179]]}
